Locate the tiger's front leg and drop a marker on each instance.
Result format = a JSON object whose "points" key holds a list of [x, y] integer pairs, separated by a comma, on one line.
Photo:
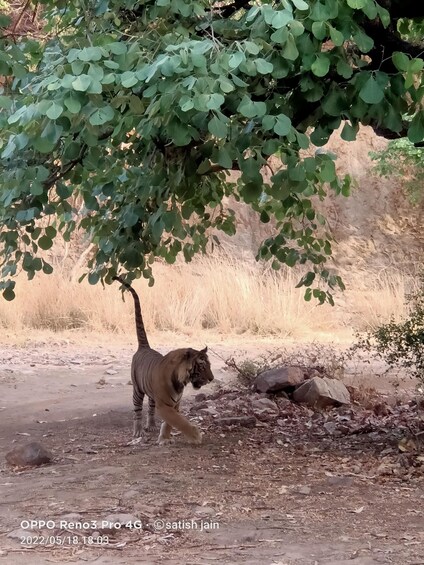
{"points": [[173, 419]]}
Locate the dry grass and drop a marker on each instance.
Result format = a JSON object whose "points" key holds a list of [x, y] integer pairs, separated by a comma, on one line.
{"points": [[218, 294]]}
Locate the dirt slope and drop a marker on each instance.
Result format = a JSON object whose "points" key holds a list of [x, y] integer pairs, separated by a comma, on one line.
{"points": [[376, 227]]}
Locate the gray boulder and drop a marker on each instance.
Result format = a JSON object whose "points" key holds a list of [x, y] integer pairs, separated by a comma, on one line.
{"points": [[28, 455], [280, 378], [264, 408], [321, 392]]}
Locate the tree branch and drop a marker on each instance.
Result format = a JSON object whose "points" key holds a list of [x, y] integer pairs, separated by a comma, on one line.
{"points": [[410, 9], [386, 42], [54, 177], [227, 10]]}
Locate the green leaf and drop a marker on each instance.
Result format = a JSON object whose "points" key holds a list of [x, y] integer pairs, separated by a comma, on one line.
{"points": [[290, 51], [250, 109], [129, 79], [9, 294], [281, 18], [328, 171], [217, 128], [187, 105], [301, 4], [118, 48], [321, 65], [81, 83], [357, 4], [6, 102], [280, 36], [282, 125], [45, 242], [264, 217], [36, 188], [102, 116], [416, 129], [93, 278], [416, 66], [225, 84], [54, 111], [90, 54], [371, 92], [224, 158], [363, 41], [251, 47], [319, 29], [73, 104], [47, 268], [349, 132], [336, 37], [215, 101], [268, 122], [263, 66], [236, 59], [400, 60], [344, 69]]}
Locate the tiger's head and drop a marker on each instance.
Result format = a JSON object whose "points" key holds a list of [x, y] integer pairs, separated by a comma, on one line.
{"points": [[200, 373], [192, 367]]}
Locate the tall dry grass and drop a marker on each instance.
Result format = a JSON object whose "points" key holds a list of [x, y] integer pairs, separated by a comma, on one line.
{"points": [[218, 294]]}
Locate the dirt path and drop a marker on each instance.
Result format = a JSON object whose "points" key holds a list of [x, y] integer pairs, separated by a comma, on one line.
{"points": [[275, 494]]}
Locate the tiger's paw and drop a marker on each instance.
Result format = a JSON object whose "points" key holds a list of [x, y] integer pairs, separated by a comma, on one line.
{"points": [[165, 441], [137, 430], [150, 426], [196, 438]]}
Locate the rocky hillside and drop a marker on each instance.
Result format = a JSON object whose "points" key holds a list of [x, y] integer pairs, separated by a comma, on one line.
{"points": [[376, 227]]}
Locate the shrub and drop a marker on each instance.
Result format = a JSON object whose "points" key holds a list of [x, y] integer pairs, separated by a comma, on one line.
{"points": [[401, 344]]}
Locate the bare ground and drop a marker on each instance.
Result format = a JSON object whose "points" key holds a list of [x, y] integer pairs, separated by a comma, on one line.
{"points": [[285, 492]]}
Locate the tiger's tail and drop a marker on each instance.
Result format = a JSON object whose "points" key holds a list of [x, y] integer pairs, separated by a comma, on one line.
{"points": [[141, 332]]}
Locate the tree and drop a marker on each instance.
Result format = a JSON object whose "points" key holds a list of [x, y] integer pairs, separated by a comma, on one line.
{"points": [[402, 159], [141, 109]]}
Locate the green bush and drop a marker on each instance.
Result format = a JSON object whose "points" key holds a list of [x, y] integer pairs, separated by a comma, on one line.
{"points": [[401, 344]]}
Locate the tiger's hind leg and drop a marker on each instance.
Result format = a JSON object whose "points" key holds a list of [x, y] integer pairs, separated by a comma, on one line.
{"points": [[138, 398], [151, 424]]}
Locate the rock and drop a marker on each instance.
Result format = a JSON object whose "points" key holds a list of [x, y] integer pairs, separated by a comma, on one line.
{"points": [[197, 407], [71, 517], [263, 408], [208, 411], [245, 421], [321, 392], [279, 379], [201, 397], [111, 372], [339, 481], [204, 511], [330, 427], [20, 533], [305, 490], [31, 454], [121, 519]]}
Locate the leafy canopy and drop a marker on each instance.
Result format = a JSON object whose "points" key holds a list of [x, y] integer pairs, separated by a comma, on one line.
{"points": [[123, 119]]}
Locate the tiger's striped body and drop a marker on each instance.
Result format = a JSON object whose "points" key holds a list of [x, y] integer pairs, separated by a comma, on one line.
{"points": [[163, 379]]}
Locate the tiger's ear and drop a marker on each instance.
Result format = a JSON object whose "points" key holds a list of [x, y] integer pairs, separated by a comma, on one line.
{"points": [[189, 354]]}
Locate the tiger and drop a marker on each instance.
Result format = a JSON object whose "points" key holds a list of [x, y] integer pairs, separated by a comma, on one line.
{"points": [[163, 378]]}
